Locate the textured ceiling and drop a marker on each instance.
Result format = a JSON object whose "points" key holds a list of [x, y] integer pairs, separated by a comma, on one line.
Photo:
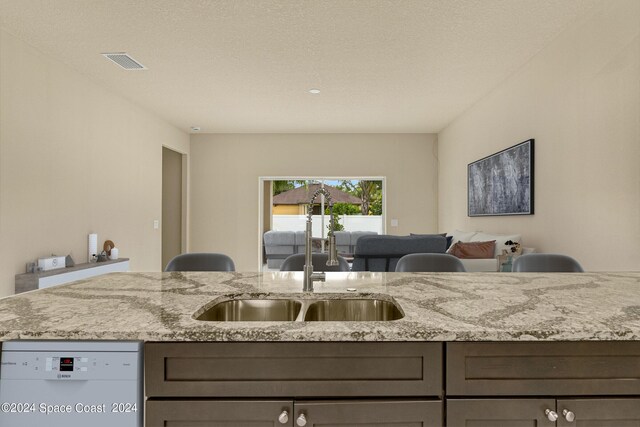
{"points": [[247, 65]]}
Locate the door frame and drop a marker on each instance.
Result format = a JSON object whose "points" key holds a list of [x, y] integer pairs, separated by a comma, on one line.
{"points": [[261, 196], [184, 243]]}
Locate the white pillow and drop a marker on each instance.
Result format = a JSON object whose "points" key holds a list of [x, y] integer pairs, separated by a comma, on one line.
{"points": [[500, 239], [462, 236]]}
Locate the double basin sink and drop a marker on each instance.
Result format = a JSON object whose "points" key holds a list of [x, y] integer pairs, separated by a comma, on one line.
{"points": [[365, 309]]}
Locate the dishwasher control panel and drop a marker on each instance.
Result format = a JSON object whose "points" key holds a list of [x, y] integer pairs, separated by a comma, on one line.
{"points": [[69, 366]]}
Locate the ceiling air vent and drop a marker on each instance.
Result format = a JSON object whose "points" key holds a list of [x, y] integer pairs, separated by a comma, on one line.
{"points": [[124, 60]]}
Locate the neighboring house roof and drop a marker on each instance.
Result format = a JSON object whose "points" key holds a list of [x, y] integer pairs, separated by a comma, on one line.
{"points": [[302, 195]]}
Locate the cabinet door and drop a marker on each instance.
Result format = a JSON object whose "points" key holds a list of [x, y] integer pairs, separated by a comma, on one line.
{"points": [[412, 413], [217, 413], [499, 412], [543, 368], [599, 412], [301, 369]]}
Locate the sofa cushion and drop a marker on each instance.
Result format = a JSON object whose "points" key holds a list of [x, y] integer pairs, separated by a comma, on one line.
{"points": [[382, 252], [279, 242], [279, 238], [343, 241], [449, 238], [474, 250], [300, 242], [355, 235], [500, 239]]}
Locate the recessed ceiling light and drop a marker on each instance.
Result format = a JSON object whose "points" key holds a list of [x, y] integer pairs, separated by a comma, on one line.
{"points": [[314, 91], [195, 128]]}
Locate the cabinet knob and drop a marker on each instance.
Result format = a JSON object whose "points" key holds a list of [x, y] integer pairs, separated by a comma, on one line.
{"points": [[568, 415], [302, 420], [283, 417], [551, 415]]}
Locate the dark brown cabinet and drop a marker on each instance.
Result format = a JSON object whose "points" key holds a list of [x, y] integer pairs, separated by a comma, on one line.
{"points": [[218, 413], [599, 412], [370, 413], [481, 377], [260, 413], [499, 412], [543, 368], [282, 384], [608, 412], [401, 384]]}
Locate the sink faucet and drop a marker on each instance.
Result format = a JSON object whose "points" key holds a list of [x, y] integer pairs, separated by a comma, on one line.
{"points": [[332, 259]]}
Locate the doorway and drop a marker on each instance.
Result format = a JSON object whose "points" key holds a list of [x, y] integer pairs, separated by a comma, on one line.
{"points": [[172, 204]]}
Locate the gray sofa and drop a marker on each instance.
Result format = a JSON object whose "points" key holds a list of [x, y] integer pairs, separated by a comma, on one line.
{"points": [[381, 253], [278, 245]]}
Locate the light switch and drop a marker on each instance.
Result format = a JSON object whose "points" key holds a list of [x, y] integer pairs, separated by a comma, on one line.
{"points": [[394, 222], [156, 224]]}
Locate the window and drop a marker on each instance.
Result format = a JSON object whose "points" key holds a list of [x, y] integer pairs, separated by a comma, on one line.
{"points": [[358, 205]]}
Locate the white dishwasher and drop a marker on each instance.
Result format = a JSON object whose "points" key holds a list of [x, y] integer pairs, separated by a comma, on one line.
{"points": [[71, 384]]}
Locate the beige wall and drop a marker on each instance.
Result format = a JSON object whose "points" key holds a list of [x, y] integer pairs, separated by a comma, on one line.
{"points": [[74, 159], [580, 99], [225, 170]]}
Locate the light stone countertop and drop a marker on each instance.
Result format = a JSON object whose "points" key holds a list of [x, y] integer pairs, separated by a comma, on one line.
{"points": [[437, 307]]}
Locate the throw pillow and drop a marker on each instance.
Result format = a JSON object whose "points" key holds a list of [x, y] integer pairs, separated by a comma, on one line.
{"points": [[473, 250], [501, 240]]}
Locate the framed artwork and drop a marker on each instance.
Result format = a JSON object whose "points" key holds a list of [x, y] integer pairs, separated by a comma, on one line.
{"points": [[502, 183]]}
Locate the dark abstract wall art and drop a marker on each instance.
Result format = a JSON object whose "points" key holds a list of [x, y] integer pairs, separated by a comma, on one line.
{"points": [[502, 183]]}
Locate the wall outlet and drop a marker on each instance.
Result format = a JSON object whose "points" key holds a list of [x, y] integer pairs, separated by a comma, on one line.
{"points": [[156, 224], [394, 222]]}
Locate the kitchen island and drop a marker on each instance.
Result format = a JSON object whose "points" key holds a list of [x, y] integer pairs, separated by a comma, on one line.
{"points": [[492, 349]]}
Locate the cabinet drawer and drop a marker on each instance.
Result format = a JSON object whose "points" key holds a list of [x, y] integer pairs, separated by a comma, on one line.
{"points": [[228, 413], [293, 369], [551, 368], [402, 413]]}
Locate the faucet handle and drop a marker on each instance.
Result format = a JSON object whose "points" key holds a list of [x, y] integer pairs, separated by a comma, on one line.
{"points": [[332, 258]]}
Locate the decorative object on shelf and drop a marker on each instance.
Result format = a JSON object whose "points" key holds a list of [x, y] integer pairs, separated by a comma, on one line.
{"points": [[107, 246], [114, 253], [502, 183], [92, 249], [507, 265], [505, 260], [68, 261], [51, 263], [32, 267], [102, 257]]}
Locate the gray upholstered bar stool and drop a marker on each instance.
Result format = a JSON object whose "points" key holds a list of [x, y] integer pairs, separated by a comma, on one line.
{"points": [[546, 263], [201, 261], [296, 263], [430, 262]]}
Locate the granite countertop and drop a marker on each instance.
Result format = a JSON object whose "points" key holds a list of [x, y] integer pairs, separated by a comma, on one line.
{"points": [[437, 307]]}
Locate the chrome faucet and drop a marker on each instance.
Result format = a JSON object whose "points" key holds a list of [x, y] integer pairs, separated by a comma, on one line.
{"points": [[332, 259]]}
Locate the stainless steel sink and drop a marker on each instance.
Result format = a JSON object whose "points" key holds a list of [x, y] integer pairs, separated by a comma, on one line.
{"points": [[349, 310], [300, 309], [253, 310]]}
